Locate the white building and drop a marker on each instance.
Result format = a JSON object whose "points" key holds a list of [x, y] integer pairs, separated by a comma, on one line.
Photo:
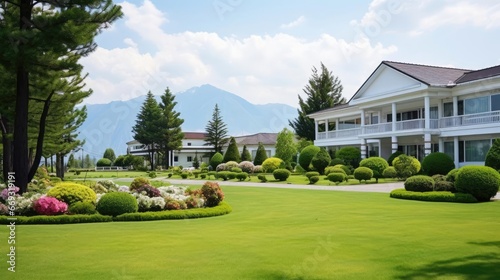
{"points": [[418, 109]]}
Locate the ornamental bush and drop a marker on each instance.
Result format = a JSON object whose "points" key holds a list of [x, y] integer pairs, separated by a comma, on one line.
{"points": [[306, 156], [313, 180], [337, 161], [336, 169], [406, 166], [390, 172], [347, 169], [230, 165], [493, 156], [224, 175], [139, 182], [212, 193], [451, 176], [260, 155], [419, 183], [258, 169], [232, 153], [216, 159], [262, 178], [103, 162], [241, 176], [47, 205], [148, 190], [336, 178], [433, 196], [393, 156], [85, 208], [117, 203], [321, 160], [246, 166], [444, 186], [311, 173], [281, 174], [350, 155], [271, 164], [108, 184], [363, 173], [236, 170], [437, 163], [72, 192], [221, 167], [376, 164], [480, 181]]}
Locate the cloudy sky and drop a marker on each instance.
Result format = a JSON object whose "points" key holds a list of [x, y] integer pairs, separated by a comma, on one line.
{"points": [[264, 51]]}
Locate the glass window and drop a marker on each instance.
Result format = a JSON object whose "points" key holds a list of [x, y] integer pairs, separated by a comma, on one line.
{"points": [[434, 113], [449, 149], [476, 150], [477, 105], [448, 109], [176, 158], [189, 158], [374, 119], [495, 102]]}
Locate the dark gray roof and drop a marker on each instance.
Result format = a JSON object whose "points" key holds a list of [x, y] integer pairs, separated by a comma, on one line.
{"points": [[335, 108], [479, 74], [254, 139], [430, 75]]}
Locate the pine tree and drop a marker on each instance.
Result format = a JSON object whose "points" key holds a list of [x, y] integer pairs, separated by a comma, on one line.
{"points": [[245, 154], [87, 163], [109, 154], [216, 131], [323, 91], [261, 155], [232, 153], [285, 146], [196, 162], [171, 126], [148, 129], [71, 161]]}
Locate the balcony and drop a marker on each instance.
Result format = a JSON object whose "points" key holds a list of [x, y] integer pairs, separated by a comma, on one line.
{"points": [[472, 119]]}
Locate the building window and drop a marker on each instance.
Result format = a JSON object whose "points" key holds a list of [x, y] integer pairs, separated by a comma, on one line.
{"points": [[495, 102], [189, 143], [476, 150], [176, 158], [448, 108], [477, 105], [449, 149], [189, 158]]}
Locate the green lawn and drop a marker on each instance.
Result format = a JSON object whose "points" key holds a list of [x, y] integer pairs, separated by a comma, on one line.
{"points": [[275, 234]]}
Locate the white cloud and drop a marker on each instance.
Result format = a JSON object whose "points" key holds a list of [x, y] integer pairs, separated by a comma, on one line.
{"points": [[294, 23]]}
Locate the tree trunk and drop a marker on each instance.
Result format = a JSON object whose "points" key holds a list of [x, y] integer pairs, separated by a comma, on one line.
{"points": [[7, 156], [52, 164], [60, 165]]}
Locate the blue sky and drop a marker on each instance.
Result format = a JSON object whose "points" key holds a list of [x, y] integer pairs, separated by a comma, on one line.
{"points": [[263, 51]]}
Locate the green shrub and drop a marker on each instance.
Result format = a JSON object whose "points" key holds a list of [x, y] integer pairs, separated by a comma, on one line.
{"points": [[444, 186], [258, 169], [311, 173], [117, 203], [451, 176], [260, 155], [196, 173], [433, 196], [336, 169], [393, 156], [98, 188], [262, 178], [246, 166], [216, 159], [363, 173], [60, 219], [313, 180], [419, 183], [230, 165], [337, 161], [438, 177], [241, 176], [376, 164], [236, 170], [72, 192], [103, 162], [203, 176], [139, 182], [406, 166], [321, 160], [221, 167], [493, 156], [480, 181], [85, 208], [306, 156], [437, 163], [336, 178], [350, 155], [152, 174], [212, 193], [347, 169], [184, 175], [232, 153], [212, 173], [271, 164], [224, 175], [390, 172], [281, 174], [231, 175]]}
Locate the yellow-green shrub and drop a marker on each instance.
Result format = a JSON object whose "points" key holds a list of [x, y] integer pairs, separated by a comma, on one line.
{"points": [[72, 192]]}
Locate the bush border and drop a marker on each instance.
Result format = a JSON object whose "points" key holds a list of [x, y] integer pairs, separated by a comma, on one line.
{"points": [[434, 196]]}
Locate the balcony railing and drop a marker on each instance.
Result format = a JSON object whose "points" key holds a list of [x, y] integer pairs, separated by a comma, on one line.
{"points": [[464, 120]]}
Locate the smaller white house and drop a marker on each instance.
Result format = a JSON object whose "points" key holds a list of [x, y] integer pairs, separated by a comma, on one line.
{"points": [[193, 145]]}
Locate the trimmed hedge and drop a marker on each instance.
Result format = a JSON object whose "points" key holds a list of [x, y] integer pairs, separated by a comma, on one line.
{"points": [[350, 155], [406, 166], [437, 163], [313, 180], [72, 192], [393, 156], [271, 164], [311, 174], [480, 181], [419, 183], [117, 203], [216, 159], [493, 156], [390, 172], [376, 164], [433, 196], [321, 160], [363, 173], [336, 178], [61, 219], [281, 174], [242, 176], [306, 156]]}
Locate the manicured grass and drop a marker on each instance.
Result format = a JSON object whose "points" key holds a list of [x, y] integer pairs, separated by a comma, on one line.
{"points": [[274, 234]]}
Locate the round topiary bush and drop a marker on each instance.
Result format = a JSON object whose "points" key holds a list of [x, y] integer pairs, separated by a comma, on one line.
{"points": [[451, 176], [321, 160], [306, 156], [444, 186], [139, 182], [246, 166], [347, 169], [313, 180], [216, 159], [419, 183], [262, 178], [437, 163], [335, 169], [336, 178], [103, 162], [311, 173], [376, 164], [221, 167], [72, 192], [390, 172], [281, 174], [363, 173], [230, 165], [393, 156], [271, 164], [80, 207], [480, 181], [337, 161], [241, 176], [117, 203], [406, 166], [236, 170]]}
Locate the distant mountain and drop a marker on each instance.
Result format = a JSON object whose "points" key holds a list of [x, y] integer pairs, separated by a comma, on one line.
{"points": [[110, 125]]}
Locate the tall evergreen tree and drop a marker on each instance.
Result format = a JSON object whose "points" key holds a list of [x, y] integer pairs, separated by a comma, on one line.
{"points": [[171, 126], [87, 162], [260, 155], [245, 154], [285, 145], [109, 154], [37, 37], [148, 129], [196, 162], [71, 161], [232, 153], [323, 91], [216, 131]]}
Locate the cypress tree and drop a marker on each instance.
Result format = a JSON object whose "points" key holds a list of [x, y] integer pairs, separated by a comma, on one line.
{"points": [[245, 154], [261, 155], [232, 153]]}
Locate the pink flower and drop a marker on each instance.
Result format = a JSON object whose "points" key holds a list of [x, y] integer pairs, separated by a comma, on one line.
{"points": [[47, 205]]}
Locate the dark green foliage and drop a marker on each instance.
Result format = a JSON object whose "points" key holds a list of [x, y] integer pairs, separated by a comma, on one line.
{"points": [[419, 183], [493, 156], [216, 131], [393, 156], [437, 163], [120, 161], [81, 207], [337, 161], [306, 156], [109, 154], [406, 166], [171, 127], [117, 203], [231, 175], [260, 155], [311, 174], [281, 174], [390, 172], [444, 186], [262, 178], [362, 173], [480, 181], [184, 175], [336, 177], [313, 180], [336, 169], [437, 196], [350, 155], [323, 91], [232, 153], [241, 176], [152, 174], [376, 164], [216, 159], [321, 160], [224, 175], [196, 162], [103, 162], [245, 154], [60, 219], [451, 176]]}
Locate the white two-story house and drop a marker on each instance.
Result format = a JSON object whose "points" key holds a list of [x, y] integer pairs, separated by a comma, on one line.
{"points": [[417, 109]]}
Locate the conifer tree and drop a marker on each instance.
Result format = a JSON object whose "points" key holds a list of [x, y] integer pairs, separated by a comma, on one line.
{"points": [[216, 131], [285, 146], [171, 126], [232, 153], [261, 155], [245, 154]]}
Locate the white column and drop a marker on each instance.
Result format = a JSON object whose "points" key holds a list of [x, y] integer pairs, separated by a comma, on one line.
{"points": [[427, 144], [173, 157], [456, 151], [326, 126], [455, 106], [363, 148], [315, 129], [394, 118], [440, 108], [394, 143], [427, 113], [441, 145], [336, 124], [362, 121]]}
